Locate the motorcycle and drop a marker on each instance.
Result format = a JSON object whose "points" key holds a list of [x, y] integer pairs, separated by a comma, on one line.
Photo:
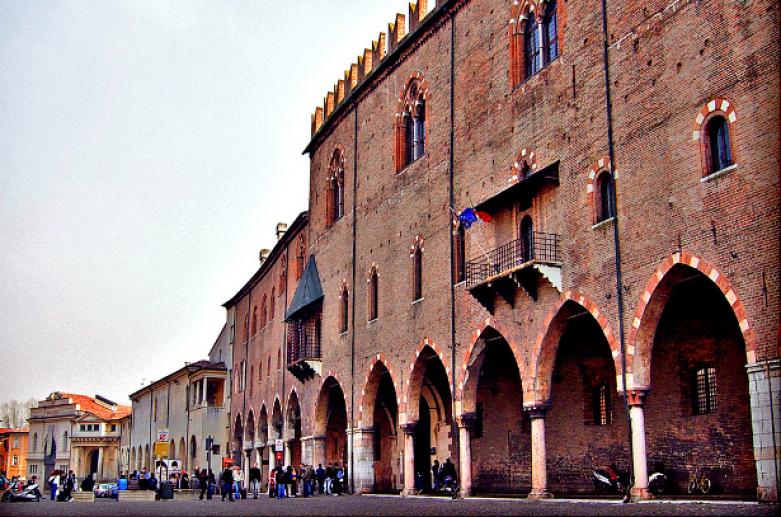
{"points": [[608, 479], [16, 492], [657, 482], [449, 486]]}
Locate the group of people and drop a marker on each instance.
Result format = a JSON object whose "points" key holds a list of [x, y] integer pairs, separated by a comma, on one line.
{"points": [[443, 474], [61, 485], [307, 481]]}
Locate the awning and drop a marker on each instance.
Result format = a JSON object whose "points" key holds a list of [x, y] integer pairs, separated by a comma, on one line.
{"points": [[308, 291], [526, 186]]}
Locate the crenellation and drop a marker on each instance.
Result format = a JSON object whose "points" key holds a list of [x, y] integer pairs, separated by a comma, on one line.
{"points": [[417, 11], [396, 32], [329, 104], [379, 50], [340, 90]]}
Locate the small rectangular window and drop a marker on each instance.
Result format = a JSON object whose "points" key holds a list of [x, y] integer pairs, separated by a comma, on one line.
{"points": [[602, 409], [33, 469], [15, 461], [704, 390]]}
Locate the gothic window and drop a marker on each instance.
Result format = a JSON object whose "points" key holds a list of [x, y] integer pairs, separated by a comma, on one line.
{"points": [[534, 39], [272, 303], [373, 295], [335, 198], [345, 309], [604, 206], [704, 390], [300, 257], [254, 320], [411, 124], [283, 274], [550, 35], [601, 408], [263, 312], [718, 145], [531, 45], [459, 249], [417, 273]]}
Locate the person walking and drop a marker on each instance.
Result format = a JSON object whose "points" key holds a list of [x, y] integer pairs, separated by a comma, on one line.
{"points": [[329, 478], [227, 484], [54, 482], [254, 480], [320, 474], [272, 483], [210, 482], [203, 481], [339, 481], [435, 475], [288, 479], [238, 480]]}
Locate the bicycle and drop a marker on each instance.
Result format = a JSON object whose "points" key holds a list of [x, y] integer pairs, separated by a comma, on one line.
{"points": [[698, 482]]}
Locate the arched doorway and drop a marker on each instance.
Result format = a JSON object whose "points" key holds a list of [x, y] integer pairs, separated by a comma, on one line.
{"points": [[133, 464], [93, 464], [172, 449], [183, 453], [293, 431], [526, 234], [194, 453], [263, 447], [429, 412], [249, 443], [147, 463], [500, 434], [238, 438], [586, 424], [378, 469], [691, 352], [331, 423]]}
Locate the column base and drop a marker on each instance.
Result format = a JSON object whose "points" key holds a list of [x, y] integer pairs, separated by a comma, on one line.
{"points": [[767, 495], [408, 491], [541, 493], [640, 494], [463, 493]]}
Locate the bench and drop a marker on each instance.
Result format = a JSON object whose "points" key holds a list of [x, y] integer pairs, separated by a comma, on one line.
{"points": [[136, 495], [83, 497]]}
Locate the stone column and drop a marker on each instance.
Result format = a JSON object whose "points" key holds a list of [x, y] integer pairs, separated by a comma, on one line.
{"points": [[409, 457], [288, 452], [539, 456], [465, 423], [764, 386], [272, 459], [203, 390], [99, 474], [636, 399], [363, 443]]}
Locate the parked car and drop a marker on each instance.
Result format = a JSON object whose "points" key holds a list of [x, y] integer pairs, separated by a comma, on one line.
{"points": [[106, 490]]}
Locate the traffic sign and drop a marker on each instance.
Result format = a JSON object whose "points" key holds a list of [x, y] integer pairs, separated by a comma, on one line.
{"points": [[279, 445], [162, 435], [161, 449]]}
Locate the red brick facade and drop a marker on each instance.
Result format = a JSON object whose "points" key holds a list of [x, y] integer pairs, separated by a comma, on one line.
{"points": [[699, 254]]}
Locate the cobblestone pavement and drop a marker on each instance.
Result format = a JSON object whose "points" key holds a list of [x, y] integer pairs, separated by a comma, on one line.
{"points": [[390, 505]]}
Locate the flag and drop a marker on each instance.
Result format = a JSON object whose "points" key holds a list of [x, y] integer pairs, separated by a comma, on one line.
{"points": [[470, 216], [483, 216]]}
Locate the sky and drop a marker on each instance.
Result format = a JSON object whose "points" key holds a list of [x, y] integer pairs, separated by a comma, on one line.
{"points": [[147, 151]]}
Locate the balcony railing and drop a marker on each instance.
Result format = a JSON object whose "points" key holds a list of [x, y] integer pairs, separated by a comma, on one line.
{"points": [[515, 255], [303, 340]]}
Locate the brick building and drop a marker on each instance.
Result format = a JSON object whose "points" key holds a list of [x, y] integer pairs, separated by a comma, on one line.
{"points": [[13, 451], [617, 301]]}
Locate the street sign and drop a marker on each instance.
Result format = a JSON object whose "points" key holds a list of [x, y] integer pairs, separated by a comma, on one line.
{"points": [[161, 449], [209, 443], [162, 435], [279, 445]]}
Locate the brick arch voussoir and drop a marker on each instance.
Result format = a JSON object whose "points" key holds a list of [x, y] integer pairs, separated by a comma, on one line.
{"points": [[463, 373], [528, 155], [603, 164], [401, 105], [545, 371], [379, 358], [716, 105], [423, 344], [721, 281]]}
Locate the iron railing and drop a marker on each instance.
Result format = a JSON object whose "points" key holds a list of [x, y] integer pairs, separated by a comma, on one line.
{"points": [[303, 339], [540, 247]]}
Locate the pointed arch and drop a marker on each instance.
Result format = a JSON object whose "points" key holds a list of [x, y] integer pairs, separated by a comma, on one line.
{"points": [[426, 350], [411, 127], [651, 304], [263, 429], [249, 429], [547, 343], [379, 365]]}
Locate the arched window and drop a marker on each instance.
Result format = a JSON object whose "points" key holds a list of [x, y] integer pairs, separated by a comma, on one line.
{"points": [[283, 274], [344, 313], [268, 366], [271, 305], [411, 126], [300, 256], [527, 239], [373, 295], [704, 390], [459, 250], [717, 140], [605, 207], [550, 33], [601, 407], [531, 46], [263, 312], [260, 371], [254, 320], [417, 273], [335, 199], [251, 376]]}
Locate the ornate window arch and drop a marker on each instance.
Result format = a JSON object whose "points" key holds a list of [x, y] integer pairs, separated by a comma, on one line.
{"points": [[605, 207], [713, 130], [411, 122], [335, 181], [534, 38]]}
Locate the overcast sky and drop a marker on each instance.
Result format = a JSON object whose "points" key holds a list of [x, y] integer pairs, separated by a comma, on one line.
{"points": [[147, 151]]}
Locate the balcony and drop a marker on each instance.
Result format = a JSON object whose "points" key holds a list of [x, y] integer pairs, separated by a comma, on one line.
{"points": [[303, 346], [518, 264]]}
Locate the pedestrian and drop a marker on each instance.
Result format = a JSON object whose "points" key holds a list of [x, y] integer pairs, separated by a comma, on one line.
{"points": [[152, 482], [309, 481], [184, 483], [320, 474], [254, 480], [295, 474], [227, 484], [272, 483], [210, 482], [288, 479], [435, 474], [238, 480], [329, 478], [54, 482], [339, 482], [280, 479]]}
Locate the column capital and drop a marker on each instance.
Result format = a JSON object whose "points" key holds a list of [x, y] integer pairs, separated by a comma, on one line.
{"points": [[466, 420], [409, 427], [636, 397], [537, 410]]}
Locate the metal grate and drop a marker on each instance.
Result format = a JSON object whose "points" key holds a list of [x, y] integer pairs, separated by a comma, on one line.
{"points": [[540, 247], [303, 339]]}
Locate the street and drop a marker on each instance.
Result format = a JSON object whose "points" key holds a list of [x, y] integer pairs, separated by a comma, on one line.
{"points": [[388, 505]]}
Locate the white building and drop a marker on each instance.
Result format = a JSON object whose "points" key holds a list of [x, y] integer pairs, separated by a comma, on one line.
{"points": [[190, 404], [76, 432]]}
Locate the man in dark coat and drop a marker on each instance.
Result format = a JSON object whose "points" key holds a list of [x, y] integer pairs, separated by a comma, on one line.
{"points": [[227, 483], [254, 480]]}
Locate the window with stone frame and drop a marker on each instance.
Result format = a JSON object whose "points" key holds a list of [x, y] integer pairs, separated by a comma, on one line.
{"points": [[373, 297], [604, 206], [254, 327], [344, 311], [417, 273], [263, 312], [272, 303], [717, 141], [534, 38], [335, 194], [411, 124], [283, 274]]}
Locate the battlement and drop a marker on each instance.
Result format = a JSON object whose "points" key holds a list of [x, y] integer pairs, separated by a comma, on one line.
{"points": [[371, 59]]}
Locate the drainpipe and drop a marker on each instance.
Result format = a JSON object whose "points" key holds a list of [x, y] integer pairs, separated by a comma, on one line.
{"points": [[616, 239], [451, 174], [243, 373], [352, 314]]}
